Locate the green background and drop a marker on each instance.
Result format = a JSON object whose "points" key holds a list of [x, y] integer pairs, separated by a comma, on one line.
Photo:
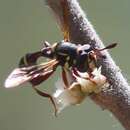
{"points": [[23, 24]]}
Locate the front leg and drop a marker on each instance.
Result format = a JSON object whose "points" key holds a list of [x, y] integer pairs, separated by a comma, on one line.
{"points": [[67, 77], [86, 75]]}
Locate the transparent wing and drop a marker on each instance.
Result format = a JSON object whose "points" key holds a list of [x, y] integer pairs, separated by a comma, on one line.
{"points": [[34, 74], [16, 78]]}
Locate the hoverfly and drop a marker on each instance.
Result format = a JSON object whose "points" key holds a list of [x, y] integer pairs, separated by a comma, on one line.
{"points": [[70, 56]]}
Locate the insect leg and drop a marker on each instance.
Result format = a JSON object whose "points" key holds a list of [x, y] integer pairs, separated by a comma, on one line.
{"points": [[43, 94], [89, 76], [91, 79], [64, 77]]}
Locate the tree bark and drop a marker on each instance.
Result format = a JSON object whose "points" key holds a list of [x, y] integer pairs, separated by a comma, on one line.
{"points": [[115, 98]]}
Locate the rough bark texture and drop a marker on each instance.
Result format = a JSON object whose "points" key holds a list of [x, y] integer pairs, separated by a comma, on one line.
{"points": [[115, 98]]}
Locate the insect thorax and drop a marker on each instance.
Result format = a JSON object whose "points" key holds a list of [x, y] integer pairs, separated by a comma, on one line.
{"points": [[68, 56], [66, 53]]}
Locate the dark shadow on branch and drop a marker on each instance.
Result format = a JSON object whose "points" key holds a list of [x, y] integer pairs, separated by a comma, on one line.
{"points": [[116, 98]]}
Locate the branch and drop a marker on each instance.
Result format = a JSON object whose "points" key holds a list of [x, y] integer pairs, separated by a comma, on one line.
{"points": [[116, 98]]}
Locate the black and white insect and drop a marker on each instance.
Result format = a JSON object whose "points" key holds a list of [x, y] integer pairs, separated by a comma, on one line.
{"points": [[76, 58], [70, 56]]}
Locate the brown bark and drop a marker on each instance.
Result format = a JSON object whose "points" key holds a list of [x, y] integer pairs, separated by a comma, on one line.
{"points": [[115, 98]]}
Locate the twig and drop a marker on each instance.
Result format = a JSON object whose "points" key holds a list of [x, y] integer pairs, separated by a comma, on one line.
{"points": [[116, 98]]}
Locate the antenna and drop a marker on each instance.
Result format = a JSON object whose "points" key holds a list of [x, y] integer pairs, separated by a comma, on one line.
{"points": [[108, 47]]}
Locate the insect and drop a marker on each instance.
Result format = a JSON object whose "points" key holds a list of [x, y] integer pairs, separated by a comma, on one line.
{"points": [[70, 56]]}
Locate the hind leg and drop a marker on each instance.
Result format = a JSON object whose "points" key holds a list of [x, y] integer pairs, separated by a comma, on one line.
{"points": [[43, 94]]}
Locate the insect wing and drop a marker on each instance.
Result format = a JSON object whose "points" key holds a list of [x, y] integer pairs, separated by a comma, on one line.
{"points": [[16, 78], [39, 78], [34, 74]]}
